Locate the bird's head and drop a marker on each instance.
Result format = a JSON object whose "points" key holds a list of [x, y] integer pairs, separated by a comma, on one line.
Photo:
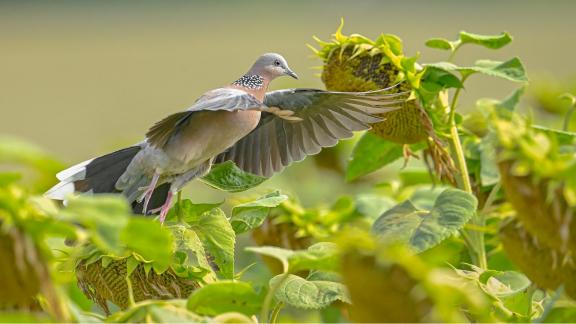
{"points": [[272, 65]]}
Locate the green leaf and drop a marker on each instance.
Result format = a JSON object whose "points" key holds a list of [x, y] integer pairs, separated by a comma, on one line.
{"points": [[301, 293], [510, 103], [225, 296], [7, 178], [440, 43], [150, 240], [319, 256], [372, 153], [488, 41], [228, 177], [104, 217], [512, 288], [316, 275], [278, 253], [436, 79], [372, 205], [425, 197], [215, 231], [17, 151], [250, 215], [412, 177], [190, 210], [507, 283], [445, 66], [511, 70], [560, 314], [563, 137], [190, 253], [423, 229]]}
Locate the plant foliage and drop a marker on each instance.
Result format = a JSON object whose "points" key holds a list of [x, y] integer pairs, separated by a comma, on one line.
{"points": [[482, 230]]}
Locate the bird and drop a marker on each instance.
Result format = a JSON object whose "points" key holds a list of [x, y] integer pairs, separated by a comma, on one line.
{"points": [[261, 131]]}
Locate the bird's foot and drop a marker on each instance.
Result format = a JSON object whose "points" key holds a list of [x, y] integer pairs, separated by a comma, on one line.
{"points": [[149, 191], [166, 207], [155, 210]]}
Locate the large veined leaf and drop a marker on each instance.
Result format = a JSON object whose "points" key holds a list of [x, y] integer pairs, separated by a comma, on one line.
{"points": [[252, 214], [488, 41], [301, 293], [440, 43], [104, 216], [190, 254], [436, 79], [215, 231], [189, 210], [510, 287], [512, 69], [320, 256], [425, 197], [422, 229], [373, 205], [371, 153], [228, 177], [225, 296], [16, 151], [150, 240]]}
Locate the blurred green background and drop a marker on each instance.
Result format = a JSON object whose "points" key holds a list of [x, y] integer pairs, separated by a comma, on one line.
{"points": [[81, 78]]}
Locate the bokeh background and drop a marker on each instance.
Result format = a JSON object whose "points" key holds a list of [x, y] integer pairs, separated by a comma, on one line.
{"points": [[81, 78]]}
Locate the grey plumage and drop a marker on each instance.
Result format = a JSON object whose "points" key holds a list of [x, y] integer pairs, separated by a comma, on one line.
{"points": [[261, 132], [326, 118]]}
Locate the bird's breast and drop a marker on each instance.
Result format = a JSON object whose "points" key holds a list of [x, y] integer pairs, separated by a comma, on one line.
{"points": [[209, 133]]}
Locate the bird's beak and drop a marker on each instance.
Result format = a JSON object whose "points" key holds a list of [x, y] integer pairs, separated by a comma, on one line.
{"points": [[291, 73]]}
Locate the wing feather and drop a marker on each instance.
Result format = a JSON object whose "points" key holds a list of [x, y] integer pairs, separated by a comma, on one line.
{"points": [[322, 118], [219, 99]]}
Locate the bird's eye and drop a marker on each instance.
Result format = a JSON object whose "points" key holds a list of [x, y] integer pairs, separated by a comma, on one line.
{"points": [[277, 63]]}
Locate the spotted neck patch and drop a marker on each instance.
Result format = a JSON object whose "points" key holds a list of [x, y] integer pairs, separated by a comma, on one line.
{"points": [[250, 81]]}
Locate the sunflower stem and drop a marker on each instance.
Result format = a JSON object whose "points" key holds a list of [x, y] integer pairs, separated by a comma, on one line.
{"points": [[475, 239], [276, 311]]}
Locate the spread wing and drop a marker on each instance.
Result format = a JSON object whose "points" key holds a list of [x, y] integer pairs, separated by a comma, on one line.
{"points": [[321, 119], [219, 99]]}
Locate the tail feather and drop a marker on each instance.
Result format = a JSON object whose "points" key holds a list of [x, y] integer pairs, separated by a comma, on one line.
{"points": [[98, 175], [75, 171], [60, 191]]}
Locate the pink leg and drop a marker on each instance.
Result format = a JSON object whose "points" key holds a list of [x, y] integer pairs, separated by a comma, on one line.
{"points": [[166, 207], [150, 191]]}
